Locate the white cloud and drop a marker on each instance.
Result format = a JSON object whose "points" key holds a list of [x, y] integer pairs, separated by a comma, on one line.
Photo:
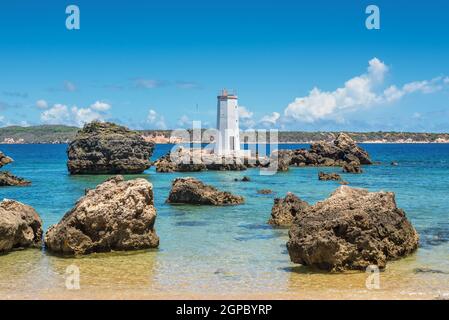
{"points": [[69, 86], [155, 120], [58, 114], [41, 104], [61, 114], [270, 119], [100, 106], [446, 80], [357, 93]]}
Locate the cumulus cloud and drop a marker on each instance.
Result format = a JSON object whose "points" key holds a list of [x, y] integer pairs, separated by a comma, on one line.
{"points": [[100, 106], [156, 120], [58, 114], [270, 120], [62, 114], [359, 92], [41, 104]]}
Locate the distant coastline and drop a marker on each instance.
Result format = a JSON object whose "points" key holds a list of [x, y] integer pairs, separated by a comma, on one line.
{"points": [[60, 134]]}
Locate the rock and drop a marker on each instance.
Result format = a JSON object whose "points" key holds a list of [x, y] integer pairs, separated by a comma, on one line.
{"points": [[328, 176], [351, 229], [352, 167], [107, 148], [285, 210], [428, 270], [343, 182], [8, 179], [264, 191], [20, 226], [246, 179], [350, 149], [116, 215], [192, 191], [394, 163], [4, 160], [182, 161]]}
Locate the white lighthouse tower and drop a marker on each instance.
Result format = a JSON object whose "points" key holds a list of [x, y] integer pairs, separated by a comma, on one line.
{"points": [[228, 139]]}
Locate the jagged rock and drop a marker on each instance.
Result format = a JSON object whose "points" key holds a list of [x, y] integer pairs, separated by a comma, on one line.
{"points": [[107, 148], [351, 149], [4, 159], [285, 210], [244, 179], [116, 215], [20, 226], [352, 167], [264, 191], [8, 179], [329, 176], [351, 229], [192, 191]]}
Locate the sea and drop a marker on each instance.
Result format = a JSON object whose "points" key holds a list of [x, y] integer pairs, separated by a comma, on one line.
{"points": [[231, 252]]}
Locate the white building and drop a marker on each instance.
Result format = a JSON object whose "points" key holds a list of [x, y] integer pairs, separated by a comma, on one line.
{"points": [[228, 139]]}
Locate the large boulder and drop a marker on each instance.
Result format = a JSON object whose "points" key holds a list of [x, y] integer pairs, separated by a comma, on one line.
{"points": [[4, 159], [116, 215], [20, 226], [286, 209], [192, 191], [107, 148], [352, 229], [8, 179]]}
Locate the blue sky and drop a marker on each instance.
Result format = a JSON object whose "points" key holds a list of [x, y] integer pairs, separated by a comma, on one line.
{"points": [[296, 65]]}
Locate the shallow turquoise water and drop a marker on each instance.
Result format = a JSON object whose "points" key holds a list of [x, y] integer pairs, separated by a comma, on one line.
{"points": [[215, 249]]}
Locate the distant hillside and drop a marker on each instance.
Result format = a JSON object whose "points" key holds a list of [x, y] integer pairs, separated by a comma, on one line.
{"points": [[37, 134], [64, 134]]}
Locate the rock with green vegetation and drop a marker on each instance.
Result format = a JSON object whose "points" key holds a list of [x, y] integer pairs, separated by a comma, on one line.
{"points": [[352, 229], [20, 226], [117, 215], [107, 148]]}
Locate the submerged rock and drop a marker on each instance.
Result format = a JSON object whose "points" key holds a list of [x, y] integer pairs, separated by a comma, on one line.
{"points": [[264, 191], [20, 226], [286, 209], [352, 167], [329, 176], [107, 148], [192, 191], [116, 215], [352, 229], [8, 179]]}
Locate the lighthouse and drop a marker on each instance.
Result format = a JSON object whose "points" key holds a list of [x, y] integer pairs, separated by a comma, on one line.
{"points": [[228, 136]]}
